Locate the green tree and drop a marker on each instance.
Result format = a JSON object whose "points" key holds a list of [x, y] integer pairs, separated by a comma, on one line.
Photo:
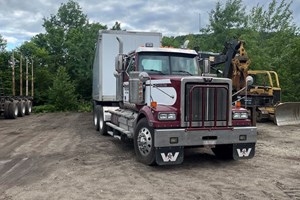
{"points": [[62, 93], [272, 45], [170, 41], [68, 17], [225, 23], [43, 77], [5, 73], [70, 40]]}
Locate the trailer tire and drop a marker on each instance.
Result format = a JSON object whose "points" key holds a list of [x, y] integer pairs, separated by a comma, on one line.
{"points": [[224, 151], [21, 108], [28, 107], [144, 143], [13, 110], [6, 109], [96, 116], [102, 124]]}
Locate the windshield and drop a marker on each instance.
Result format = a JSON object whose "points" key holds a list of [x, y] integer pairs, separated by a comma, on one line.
{"points": [[168, 64]]}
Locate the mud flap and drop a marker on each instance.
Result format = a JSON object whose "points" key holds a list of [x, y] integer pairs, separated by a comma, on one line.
{"points": [[169, 155], [243, 151]]}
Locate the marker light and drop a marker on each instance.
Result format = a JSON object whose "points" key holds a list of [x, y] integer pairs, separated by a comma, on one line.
{"points": [[153, 104]]}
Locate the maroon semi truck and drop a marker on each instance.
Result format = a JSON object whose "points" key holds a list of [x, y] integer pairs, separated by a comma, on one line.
{"points": [[162, 100]]}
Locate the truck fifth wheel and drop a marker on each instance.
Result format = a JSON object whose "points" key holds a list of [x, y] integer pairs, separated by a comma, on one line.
{"points": [[159, 98]]}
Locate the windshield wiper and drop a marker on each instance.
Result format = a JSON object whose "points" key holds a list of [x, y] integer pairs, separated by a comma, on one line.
{"points": [[186, 72]]}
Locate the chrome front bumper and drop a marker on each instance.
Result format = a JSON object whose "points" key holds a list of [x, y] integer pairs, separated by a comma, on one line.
{"points": [[237, 135]]}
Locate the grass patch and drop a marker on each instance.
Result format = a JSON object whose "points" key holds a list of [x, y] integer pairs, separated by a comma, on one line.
{"points": [[82, 106]]}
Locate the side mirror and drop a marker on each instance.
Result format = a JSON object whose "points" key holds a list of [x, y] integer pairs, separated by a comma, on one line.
{"points": [[116, 74], [144, 76]]}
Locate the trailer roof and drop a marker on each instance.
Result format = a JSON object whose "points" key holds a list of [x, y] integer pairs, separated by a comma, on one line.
{"points": [[120, 32]]}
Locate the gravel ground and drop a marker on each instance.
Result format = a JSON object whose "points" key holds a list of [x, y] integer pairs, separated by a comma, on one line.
{"points": [[61, 156]]}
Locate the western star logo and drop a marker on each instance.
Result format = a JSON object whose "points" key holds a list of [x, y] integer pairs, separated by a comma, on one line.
{"points": [[244, 152], [169, 157]]}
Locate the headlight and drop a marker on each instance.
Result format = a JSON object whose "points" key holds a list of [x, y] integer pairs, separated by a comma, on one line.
{"points": [[166, 116], [240, 115]]}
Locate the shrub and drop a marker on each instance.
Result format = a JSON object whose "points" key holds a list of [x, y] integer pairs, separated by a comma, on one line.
{"points": [[62, 94]]}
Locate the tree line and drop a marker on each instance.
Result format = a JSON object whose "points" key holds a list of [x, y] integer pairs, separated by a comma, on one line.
{"points": [[63, 55], [270, 34]]}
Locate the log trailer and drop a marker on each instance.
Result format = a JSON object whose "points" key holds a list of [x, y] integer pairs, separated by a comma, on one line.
{"points": [[159, 98], [13, 106]]}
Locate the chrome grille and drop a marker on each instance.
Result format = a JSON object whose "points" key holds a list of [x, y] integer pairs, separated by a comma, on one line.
{"points": [[206, 105]]}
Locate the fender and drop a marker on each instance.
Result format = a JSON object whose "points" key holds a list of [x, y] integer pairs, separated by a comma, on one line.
{"points": [[151, 115], [147, 112]]}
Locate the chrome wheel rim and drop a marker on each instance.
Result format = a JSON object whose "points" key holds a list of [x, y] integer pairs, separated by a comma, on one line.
{"points": [[23, 109], [144, 141], [16, 111], [101, 121], [95, 119]]}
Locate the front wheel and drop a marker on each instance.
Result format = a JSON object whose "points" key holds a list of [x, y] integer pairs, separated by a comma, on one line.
{"points": [[144, 143]]}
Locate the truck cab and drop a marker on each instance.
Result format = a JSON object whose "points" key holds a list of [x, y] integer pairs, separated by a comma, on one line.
{"points": [[166, 103]]}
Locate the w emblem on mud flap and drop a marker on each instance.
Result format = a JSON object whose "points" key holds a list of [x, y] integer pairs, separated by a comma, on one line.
{"points": [[244, 152], [169, 157]]}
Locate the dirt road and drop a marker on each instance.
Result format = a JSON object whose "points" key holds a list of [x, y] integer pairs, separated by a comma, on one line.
{"points": [[61, 156]]}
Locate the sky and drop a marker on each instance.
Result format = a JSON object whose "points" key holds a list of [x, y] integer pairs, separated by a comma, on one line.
{"points": [[22, 19]]}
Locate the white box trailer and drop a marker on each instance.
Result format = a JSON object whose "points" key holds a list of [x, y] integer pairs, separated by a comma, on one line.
{"points": [[107, 48]]}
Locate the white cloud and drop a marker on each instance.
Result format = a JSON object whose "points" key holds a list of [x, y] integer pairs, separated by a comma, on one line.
{"points": [[20, 20], [12, 40]]}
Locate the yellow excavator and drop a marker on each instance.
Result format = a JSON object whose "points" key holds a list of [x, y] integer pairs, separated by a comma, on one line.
{"points": [[264, 95]]}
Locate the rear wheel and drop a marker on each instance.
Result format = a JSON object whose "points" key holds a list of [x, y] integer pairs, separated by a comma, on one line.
{"points": [[102, 124], [259, 116], [224, 151], [96, 117], [13, 110], [21, 108], [144, 143], [6, 107], [28, 107]]}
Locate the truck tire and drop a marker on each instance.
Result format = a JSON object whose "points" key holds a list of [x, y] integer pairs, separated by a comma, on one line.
{"points": [[6, 107], [28, 107], [21, 108], [224, 151], [13, 110], [144, 143], [101, 122], [96, 116]]}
